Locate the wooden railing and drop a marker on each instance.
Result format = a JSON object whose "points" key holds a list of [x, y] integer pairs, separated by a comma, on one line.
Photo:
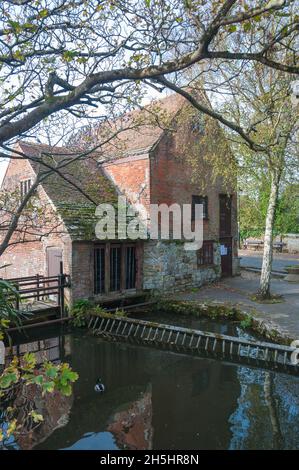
{"points": [[39, 287]]}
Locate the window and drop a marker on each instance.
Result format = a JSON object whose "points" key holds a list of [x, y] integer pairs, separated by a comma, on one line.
{"points": [[114, 267], [130, 264], [199, 200], [25, 186], [205, 256], [99, 270]]}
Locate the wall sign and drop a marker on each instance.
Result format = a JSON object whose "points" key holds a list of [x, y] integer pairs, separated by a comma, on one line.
{"points": [[223, 250]]}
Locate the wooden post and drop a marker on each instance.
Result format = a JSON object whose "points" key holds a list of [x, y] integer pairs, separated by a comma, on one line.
{"points": [[122, 267], [107, 267], [139, 265], [61, 282], [43, 286], [37, 285]]}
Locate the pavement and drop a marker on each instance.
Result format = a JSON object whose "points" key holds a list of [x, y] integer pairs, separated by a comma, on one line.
{"points": [[253, 259], [237, 291]]}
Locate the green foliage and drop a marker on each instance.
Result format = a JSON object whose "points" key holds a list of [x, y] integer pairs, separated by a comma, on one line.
{"points": [[99, 309], [8, 296], [4, 324], [120, 312], [53, 377], [253, 209], [23, 372], [68, 56], [287, 214], [270, 299], [83, 307], [79, 311], [246, 322], [49, 377], [196, 309]]}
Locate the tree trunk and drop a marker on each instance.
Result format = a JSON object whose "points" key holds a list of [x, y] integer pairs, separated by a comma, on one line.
{"points": [[264, 290], [274, 417]]}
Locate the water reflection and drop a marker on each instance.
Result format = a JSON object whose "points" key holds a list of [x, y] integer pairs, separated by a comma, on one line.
{"points": [[95, 441], [25, 399], [161, 400], [267, 411]]}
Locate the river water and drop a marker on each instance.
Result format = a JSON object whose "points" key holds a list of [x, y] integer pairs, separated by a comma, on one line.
{"points": [[155, 399]]}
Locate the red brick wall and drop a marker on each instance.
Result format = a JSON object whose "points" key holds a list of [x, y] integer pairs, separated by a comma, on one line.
{"points": [[29, 258], [82, 270], [174, 177], [172, 182], [17, 170], [131, 176], [22, 260]]}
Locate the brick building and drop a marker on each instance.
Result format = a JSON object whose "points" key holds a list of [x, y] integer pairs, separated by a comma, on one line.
{"points": [[149, 164]]}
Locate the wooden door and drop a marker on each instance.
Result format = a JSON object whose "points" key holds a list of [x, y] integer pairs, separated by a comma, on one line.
{"points": [[225, 212], [226, 256], [54, 257], [225, 227]]}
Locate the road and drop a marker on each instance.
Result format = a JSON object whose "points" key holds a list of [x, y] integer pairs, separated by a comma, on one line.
{"points": [[253, 259]]}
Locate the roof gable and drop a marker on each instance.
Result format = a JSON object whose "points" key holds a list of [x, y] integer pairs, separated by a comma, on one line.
{"points": [[75, 189], [138, 131]]}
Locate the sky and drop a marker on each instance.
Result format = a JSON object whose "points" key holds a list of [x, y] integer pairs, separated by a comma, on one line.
{"points": [[3, 166]]}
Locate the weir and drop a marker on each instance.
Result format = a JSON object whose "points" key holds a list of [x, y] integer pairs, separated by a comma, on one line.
{"points": [[187, 340]]}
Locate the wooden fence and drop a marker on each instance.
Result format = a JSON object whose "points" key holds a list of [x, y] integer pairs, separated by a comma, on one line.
{"points": [[39, 288]]}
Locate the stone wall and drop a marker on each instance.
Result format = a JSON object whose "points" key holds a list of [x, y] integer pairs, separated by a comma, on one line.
{"points": [[236, 268], [168, 267]]}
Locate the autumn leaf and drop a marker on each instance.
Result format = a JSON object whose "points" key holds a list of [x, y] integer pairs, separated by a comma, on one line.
{"points": [[37, 418], [11, 427]]}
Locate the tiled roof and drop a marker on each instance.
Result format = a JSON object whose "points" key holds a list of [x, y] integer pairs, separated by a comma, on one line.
{"points": [[142, 128], [78, 187]]}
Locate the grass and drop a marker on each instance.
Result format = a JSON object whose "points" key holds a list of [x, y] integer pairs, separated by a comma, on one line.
{"points": [[273, 299]]}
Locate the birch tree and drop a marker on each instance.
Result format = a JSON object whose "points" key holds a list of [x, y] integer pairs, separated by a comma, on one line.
{"points": [[264, 101]]}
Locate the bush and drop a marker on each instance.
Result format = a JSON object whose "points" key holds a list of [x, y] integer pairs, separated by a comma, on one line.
{"points": [[246, 322], [8, 296], [21, 373], [79, 312]]}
